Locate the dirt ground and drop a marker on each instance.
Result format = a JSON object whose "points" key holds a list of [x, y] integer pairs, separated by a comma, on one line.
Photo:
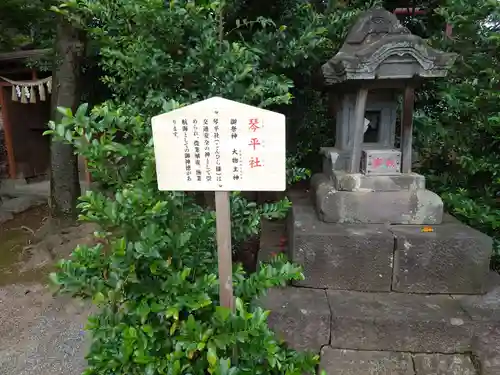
{"points": [[29, 246], [39, 333], [15, 237]]}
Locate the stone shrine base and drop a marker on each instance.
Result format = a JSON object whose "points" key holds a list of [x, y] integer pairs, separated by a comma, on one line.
{"points": [[453, 258], [404, 206], [388, 300]]}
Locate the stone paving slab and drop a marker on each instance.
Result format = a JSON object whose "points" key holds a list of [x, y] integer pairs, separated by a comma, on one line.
{"points": [[370, 321], [485, 308], [437, 330], [485, 312], [486, 348], [399, 322], [21, 188], [441, 364], [299, 316], [353, 362], [20, 204], [5, 216]]}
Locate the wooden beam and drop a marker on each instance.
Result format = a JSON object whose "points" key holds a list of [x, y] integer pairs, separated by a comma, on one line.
{"points": [[407, 129], [21, 55], [8, 135], [224, 248], [7, 71], [358, 131], [409, 11]]}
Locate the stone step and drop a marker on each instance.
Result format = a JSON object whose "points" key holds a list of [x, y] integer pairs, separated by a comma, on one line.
{"points": [[21, 204], [341, 324], [353, 362], [301, 317], [352, 330], [311, 318], [399, 322], [449, 258]]}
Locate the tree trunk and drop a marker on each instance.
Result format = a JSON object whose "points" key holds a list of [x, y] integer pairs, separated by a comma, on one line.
{"points": [[64, 179]]}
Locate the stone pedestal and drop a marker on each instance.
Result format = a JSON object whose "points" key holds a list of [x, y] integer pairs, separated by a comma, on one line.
{"points": [[340, 256], [364, 205], [387, 298], [453, 258], [344, 181]]}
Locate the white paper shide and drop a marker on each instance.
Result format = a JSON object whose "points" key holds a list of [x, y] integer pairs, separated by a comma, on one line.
{"points": [[220, 145]]}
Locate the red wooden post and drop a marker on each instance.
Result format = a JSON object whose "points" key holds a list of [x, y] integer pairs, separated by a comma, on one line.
{"points": [[449, 30], [8, 134], [88, 177], [418, 11]]}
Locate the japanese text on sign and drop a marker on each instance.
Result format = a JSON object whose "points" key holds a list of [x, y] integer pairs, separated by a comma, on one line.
{"points": [[220, 145]]}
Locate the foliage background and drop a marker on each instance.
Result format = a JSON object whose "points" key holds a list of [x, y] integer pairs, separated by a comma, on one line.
{"points": [[458, 125], [152, 56]]}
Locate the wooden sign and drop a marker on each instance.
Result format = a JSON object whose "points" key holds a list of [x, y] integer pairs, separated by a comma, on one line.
{"points": [[220, 145]]}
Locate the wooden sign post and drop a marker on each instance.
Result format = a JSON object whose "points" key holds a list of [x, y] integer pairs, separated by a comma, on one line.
{"points": [[222, 146]]}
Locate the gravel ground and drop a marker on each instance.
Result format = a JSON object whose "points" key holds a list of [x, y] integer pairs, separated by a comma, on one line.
{"points": [[40, 334]]}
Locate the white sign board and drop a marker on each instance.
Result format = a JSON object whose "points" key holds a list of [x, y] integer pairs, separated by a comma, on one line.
{"points": [[220, 145]]}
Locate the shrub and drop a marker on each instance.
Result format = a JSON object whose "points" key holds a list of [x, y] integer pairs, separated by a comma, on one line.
{"points": [[154, 274]]}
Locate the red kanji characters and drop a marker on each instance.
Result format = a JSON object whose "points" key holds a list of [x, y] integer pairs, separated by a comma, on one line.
{"points": [[390, 164], [254, 142], [255, 162], [253, 124], [377, 162]]}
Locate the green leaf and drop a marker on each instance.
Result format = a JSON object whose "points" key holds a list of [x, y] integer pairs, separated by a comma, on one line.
{"points": [[65, 111], [54, 278], [239, 305], [211, 355], [172, 312], [81, 111], [132, 332], [98, 298], [222, 313]]}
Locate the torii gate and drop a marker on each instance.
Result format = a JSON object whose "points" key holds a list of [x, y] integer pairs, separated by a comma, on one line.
{"points": [[412, 11]]}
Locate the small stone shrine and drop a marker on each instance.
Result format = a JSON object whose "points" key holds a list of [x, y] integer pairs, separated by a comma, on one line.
{"points": [[385, 270], [365, 178]]}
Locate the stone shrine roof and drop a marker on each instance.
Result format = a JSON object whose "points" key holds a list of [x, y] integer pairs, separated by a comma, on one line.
{"points": [[379, 47]]}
